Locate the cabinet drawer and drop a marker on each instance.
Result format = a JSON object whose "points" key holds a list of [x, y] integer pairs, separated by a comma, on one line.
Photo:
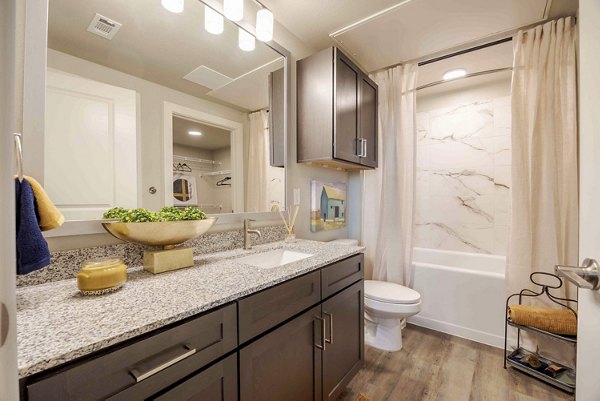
{"points": [[340, 275], [219, 382], [266, 309], [143, 368]]}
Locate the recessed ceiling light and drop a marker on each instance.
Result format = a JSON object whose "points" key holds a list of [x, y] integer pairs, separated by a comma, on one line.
{"points": [[195, 133], [453, 74], [175, 6]]}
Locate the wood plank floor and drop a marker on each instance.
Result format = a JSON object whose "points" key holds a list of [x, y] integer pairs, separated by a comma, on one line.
{"points": [[434, 366]]}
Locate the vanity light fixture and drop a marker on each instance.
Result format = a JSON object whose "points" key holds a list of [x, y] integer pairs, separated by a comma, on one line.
{"points": [[453, 74], [234, 9], [213, 21], [195, 133], [175, 6], [246, 41], [264, 25]]}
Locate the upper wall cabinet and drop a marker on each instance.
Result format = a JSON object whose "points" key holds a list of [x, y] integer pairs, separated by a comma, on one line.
{"points": [[337, 112]]}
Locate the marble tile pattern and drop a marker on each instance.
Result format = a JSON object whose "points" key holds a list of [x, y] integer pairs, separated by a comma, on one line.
{"points": [[65, 264], [56, 324], [463, 177]]}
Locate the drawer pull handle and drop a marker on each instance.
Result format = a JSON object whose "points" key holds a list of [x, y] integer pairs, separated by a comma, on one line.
{"points": [[330, 315], [323, 334], [161, 361]]}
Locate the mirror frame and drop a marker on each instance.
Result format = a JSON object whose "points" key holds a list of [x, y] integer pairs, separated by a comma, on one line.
{"points": [[35, 78]]}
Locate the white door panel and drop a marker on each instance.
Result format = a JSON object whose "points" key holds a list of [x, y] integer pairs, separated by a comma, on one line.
{"points": [[588, 344], [8, 125], [89, 146]]}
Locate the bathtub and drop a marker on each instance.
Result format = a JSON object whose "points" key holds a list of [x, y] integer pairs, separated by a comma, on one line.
{"points": [[462, 294]]}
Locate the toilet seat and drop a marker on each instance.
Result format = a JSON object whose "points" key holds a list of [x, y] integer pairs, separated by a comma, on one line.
{"points": [[390, 293]]}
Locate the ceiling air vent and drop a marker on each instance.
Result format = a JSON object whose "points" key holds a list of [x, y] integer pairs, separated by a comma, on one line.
{"points": [[104, 27]]}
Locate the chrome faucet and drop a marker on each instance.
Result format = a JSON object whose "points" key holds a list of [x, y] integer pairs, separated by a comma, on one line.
{"points": [[247, 232]]}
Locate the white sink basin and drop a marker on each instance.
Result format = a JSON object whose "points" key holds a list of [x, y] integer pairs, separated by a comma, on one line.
{"points": [[274, 258]]}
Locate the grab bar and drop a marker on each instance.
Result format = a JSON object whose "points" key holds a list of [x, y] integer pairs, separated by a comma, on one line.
{"points": [[19, 156]]}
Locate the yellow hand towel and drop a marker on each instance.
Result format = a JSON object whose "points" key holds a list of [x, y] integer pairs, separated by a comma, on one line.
{"points": [[555, 320], [50, 216]]}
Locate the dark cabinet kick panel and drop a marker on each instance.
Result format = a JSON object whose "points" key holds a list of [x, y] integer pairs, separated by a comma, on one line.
{"points": [[264, 310], [217, 383], [114, 374], [337, 112]]}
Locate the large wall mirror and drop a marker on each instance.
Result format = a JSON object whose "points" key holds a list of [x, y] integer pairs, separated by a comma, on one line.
{"points": [[146, 108]]}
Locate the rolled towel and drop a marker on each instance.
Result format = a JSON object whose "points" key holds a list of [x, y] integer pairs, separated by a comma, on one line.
{"points": [[32, 248], [559, 321], [49, 216]]}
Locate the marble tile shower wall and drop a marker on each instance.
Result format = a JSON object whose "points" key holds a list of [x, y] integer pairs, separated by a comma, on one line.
{"points": [[463, 177]]}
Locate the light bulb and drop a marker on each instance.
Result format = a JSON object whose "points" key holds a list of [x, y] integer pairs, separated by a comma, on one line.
{"points": [[195, 133], [234, 9], [264, 25], [453, 74], [246, 41], [213, 21], [175, 6]]}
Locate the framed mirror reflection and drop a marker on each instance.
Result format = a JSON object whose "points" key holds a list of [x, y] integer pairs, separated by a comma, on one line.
{"points": [[145, 107]]}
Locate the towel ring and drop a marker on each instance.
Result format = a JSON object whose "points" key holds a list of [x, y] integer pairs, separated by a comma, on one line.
{"points": [[19, 156]]}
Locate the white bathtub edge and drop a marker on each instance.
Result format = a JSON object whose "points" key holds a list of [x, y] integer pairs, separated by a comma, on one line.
{"points": [[458, 331]]}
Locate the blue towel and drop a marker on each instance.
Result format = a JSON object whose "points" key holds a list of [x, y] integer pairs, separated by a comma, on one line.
{"points": [[32, 248]]}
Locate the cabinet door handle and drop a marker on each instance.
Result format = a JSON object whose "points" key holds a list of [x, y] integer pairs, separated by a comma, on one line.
{"points": [[161, 361], [323, 334], [359, 147], [364, 148], [330, 315], [4, 323]]}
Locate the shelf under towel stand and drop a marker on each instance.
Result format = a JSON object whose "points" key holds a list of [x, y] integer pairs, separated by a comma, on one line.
{"points": [[545, 290]]}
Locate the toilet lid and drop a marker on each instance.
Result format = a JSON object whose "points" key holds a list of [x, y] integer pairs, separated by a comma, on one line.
{"points": [[390, 292]]}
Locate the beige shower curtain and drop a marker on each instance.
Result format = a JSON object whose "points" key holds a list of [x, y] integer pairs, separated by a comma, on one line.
{"points": [[544, 220], [257, 161], [389, 191], [544, 193]]}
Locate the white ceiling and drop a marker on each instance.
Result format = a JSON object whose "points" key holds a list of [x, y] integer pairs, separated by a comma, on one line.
{"points": [[379, 33], [160, 46], [212, 137]]}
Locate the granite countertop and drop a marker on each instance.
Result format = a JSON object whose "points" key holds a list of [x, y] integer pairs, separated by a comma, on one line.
{"points": [[56, 324]]}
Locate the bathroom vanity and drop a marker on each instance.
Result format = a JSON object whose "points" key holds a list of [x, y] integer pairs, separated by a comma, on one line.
{"points": [[222, 329]]}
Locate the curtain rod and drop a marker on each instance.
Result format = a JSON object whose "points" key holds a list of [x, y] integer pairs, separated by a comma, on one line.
{"points": [[450, 55], [474, 74]]}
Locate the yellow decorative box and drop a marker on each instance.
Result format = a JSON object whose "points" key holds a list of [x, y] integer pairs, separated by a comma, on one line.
{"points": [[98, 276]]}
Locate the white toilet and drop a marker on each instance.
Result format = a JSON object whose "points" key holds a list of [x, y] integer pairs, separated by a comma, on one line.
{"points": [[387, 305]]}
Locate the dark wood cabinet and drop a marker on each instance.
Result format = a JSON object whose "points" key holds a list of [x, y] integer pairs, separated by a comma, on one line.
{"points": [[286, 363], [337, 112], [143, 366], [344, 351], [266, 309], [276, 118], [300, 340], [216, 383]]}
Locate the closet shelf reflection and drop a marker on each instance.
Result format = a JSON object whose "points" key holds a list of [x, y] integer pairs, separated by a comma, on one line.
{"points": [[196, 160], [214, 173]]}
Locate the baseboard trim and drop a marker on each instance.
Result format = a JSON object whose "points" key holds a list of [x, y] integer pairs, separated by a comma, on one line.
{"points": [[458, 331]]}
